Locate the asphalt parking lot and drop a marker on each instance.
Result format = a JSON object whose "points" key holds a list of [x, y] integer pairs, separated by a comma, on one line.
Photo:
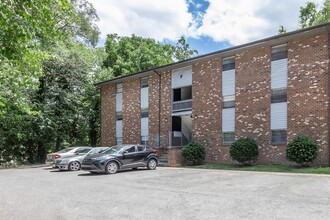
{"points": [[166, 193]]}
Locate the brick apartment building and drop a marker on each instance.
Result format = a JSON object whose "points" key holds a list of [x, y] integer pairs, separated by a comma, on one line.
{"points": [[269, 90]]}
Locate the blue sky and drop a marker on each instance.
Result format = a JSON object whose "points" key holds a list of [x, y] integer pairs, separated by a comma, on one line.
{"points": [[208, 25]]}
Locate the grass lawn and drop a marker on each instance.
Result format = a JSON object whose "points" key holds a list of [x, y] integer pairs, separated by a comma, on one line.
{"points": [[267, 168]]}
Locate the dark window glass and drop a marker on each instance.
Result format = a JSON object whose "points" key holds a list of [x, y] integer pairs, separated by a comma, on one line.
{"points": [[119, 116], [228, 104], [144, 113], [279, 95], [228, 64], [130, 149], [141, 148], [144, 82], [280, 52], [279, 136], [228, 137]]}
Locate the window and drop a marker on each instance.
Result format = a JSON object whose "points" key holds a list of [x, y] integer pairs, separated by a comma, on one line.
{"points": [[141, 148], [228, 63], [119, 140], [228, 101], [130, 149], [119, 88], [279, 136], [144, 113], [119, 116], [228, 137], [144, 82], [144, 140], [279, 52], [279, 95]]}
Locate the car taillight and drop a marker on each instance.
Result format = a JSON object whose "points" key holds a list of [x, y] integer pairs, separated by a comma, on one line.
{"points": [[57, 156], [155, 151]]}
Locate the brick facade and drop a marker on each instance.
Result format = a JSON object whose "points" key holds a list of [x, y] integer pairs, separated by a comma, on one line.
{"points": [[252, 101], [307, 98], [108, 115], [308, 91], [207, 108], [165, 109], [131, 111]]}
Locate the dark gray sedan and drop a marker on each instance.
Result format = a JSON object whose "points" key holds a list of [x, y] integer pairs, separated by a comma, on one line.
{"points": [[73, 163], [121, 157]]}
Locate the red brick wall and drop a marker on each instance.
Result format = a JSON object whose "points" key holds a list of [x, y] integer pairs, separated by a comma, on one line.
{"points": [[131, 111], [207, 108], [174, 157], [165, 115], [252, 101], [108, 115], [308, 95]]}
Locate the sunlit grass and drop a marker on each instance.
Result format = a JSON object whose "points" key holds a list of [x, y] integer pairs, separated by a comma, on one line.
{"points": [[267, 168]]}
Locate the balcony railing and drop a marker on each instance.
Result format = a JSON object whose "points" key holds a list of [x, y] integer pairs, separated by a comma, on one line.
{"points": [[178, 138], [184, 105]]}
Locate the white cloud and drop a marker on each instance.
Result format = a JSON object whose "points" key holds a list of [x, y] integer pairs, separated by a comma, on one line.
{"points": [[147, 18], [235, 21], [242, 21]]}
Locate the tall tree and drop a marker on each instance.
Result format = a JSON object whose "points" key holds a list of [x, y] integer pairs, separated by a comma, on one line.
{"points": [[311, 14], [127, 55]]}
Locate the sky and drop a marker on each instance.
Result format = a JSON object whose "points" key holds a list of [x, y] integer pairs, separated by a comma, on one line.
{"points": [[208, 25]]}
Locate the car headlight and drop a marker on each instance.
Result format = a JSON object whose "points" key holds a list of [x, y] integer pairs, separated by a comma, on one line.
{"points": [[98, 158], [65, 161]]}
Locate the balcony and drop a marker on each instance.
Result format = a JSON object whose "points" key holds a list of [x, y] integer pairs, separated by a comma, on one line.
{"points": [[185, 105]]}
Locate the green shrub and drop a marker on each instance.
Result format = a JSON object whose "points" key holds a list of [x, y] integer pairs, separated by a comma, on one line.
{"points": [[244, 151], [193, 154], [302, 150]]}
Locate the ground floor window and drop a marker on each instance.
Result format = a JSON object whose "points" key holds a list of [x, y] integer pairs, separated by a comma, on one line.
{"points": [[144, 140], [279, 136], [228, 137], [119, 140]]}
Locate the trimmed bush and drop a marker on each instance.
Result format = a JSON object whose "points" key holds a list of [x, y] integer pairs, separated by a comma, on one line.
{"points": [[302, 150], [193, 154], [244, 151]]}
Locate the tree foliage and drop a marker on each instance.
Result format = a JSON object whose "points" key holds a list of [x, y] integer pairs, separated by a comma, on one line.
{"points": [[127, 55], [311, 14]]}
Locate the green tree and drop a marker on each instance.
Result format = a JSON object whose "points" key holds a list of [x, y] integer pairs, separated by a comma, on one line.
{"points": [[127, 55], [311, 14]]}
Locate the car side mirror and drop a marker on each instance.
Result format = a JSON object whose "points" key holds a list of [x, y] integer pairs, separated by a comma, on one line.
{"points": [[125, 152]]}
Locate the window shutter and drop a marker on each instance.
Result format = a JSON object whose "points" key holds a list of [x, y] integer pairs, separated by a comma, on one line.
{"points": [[119, 128], [144, 127], [228, 120], [228, 82], [144, 97], [278, 113], [279, 74], [119, 102]]}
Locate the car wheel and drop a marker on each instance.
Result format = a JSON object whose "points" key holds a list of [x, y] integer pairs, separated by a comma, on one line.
{"points": [[111, 167], [152, 164], [74, 166]]}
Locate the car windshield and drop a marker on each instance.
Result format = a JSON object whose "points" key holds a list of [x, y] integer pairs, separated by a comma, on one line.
{"points": [[66, 150], [112, 150]]}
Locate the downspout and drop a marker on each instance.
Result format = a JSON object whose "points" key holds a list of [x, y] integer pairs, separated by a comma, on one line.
{"points": [[159, 104], [328, 28]]}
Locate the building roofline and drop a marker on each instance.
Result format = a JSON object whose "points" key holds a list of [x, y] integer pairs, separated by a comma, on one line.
{"points": [[284, 36]]}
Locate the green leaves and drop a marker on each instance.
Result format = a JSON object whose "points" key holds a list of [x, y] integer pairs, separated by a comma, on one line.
{"points": [[302, 150], [127, 55], [311, 14], [244, 151]]}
